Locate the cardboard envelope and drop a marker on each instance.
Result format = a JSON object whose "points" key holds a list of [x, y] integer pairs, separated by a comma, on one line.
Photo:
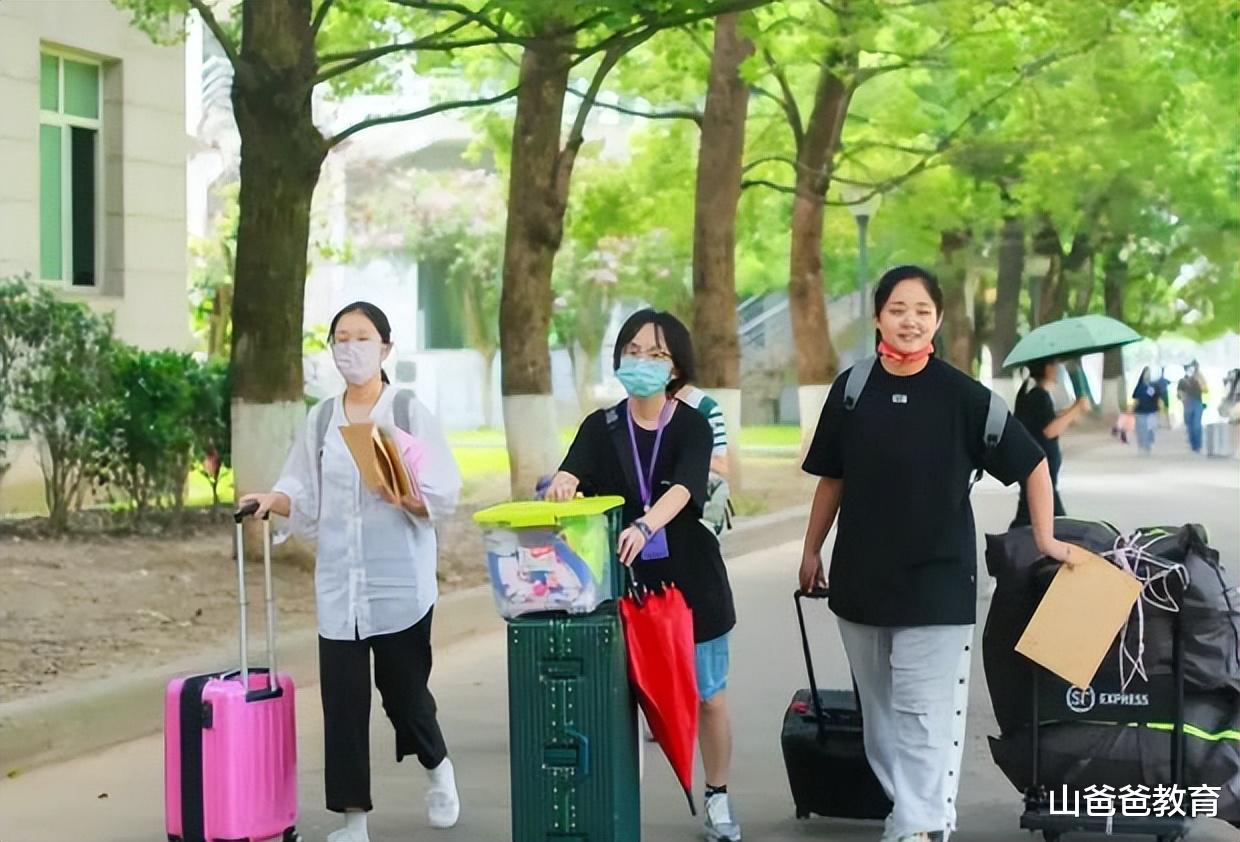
{"points": [[1079, 617]]}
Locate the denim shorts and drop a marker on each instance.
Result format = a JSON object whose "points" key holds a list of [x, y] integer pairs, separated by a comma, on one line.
{"points": [[712, 666]]}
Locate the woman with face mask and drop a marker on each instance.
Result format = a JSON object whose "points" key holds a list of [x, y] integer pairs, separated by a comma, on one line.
{"points": [[896, 470], [655, 452], [375, 583]]}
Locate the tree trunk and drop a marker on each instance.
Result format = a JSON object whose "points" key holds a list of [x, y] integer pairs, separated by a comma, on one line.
{"points": [[816, 359], [1007, 295], [1114, 280], [488, 389], [281, 155], [536, 196], [1078, 268], [718, 191], [957, 326]]}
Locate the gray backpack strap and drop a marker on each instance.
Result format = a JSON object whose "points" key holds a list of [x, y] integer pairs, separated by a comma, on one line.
{"points": [[322, 419], [856, 381], [402, 410], [996, 420]]}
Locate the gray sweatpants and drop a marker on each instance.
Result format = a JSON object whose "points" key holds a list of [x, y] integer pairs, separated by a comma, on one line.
{"points": [[914, 686]]}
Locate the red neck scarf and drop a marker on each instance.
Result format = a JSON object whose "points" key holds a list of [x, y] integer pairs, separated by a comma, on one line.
{"points": [[885, 350]]}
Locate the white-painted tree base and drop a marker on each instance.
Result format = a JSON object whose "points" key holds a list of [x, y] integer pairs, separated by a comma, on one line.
{"points": [[1113, 397], [810, 400], [533, 441], [262, 434], [729, 401]]}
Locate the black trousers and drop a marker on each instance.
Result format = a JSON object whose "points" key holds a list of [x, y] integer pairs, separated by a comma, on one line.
{"points": [[402, 669]]}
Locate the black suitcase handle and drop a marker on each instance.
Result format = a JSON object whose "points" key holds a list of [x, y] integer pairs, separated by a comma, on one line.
{"points": [[816, 593]]}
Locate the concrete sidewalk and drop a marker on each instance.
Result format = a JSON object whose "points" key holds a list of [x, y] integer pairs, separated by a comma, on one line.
{"points": [[88, 716], [116, 795]]}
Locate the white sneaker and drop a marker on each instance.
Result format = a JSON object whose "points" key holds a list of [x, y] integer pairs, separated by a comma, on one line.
{"points": [[347, 834], [721, 825], [443, 804], [889, 834]]}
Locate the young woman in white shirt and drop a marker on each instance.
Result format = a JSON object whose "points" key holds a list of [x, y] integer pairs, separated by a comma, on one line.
{"points": [[375, 584]]}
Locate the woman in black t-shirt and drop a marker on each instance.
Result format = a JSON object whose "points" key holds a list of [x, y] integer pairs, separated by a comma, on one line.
{"points": [[895, 468], [655, 452], [1036, 410]]}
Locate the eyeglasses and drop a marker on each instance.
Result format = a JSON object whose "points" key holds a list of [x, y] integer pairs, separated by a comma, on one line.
{"points": [[655, 354]]}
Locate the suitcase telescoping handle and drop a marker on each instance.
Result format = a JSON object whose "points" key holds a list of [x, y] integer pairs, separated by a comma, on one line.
{"points": [[816, 593], [243, 601]]}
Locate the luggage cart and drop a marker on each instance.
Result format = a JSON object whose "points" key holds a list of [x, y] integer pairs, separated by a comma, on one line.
{"points": [[1051, 700]]}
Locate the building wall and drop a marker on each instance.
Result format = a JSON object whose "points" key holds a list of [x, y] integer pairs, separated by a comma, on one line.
{"points": [[141, 277]]}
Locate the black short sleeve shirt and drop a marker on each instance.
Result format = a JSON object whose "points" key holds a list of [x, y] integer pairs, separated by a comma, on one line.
{"points": [[601, 458], [905, 550]]}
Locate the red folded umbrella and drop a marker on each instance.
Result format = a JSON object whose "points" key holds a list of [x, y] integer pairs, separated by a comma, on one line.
{"points": [[658, 628]]}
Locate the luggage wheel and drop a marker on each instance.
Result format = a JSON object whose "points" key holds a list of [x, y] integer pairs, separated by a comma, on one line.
{"points": [[291, 835], [1054, 835], [802, 814]]}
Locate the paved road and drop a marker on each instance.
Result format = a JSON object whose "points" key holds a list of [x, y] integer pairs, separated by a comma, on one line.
{"points": [[116, 796]]}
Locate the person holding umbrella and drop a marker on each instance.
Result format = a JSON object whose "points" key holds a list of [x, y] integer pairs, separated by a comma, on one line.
{"points": [[1036, 411], [894, 467], [656, 452]]}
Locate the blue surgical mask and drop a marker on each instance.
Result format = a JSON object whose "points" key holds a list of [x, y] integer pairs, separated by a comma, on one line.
{"points": [[644, 378]]}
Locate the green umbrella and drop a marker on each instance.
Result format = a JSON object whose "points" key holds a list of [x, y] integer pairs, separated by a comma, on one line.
{"points": [[1073, 337]]}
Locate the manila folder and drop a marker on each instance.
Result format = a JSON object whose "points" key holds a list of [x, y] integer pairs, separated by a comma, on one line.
{"points": [[363, 443], [1079, 617]]}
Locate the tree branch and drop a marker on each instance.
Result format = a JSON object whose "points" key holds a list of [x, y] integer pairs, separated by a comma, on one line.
{"points": [[761, 182], [680, 114], [346, 62], [787, 99], [1031, 69], [209, 21], [416, 115], [320, 15], [651, 24], [770, 159], [610, 59]]}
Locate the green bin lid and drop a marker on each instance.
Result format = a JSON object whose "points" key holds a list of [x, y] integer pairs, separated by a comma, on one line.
{"points": [[525, 513]]}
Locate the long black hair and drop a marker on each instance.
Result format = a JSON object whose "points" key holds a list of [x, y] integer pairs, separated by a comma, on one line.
{"points": [[1037, 373], [896, 275], [671, 333], [376, 317]]}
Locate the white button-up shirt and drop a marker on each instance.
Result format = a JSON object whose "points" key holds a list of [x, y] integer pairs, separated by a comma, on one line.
{"points": [[375, 566]]}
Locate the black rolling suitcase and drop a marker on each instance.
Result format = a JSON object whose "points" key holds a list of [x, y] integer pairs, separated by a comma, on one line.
{"points": [[824, 750]]}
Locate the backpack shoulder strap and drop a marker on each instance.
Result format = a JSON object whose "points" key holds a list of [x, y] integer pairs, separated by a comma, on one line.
{"points": [[322, 418], [402, 410], [856, 381], [996, 420]]}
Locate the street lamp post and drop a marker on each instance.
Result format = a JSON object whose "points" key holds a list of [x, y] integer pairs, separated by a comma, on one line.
{"points": [[863, 203]]}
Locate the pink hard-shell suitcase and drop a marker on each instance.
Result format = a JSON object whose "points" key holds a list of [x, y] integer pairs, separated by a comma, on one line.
{"points": [[230, 742]]}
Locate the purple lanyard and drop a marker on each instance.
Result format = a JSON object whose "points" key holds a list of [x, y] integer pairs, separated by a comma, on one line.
{"points": [[645, 480]]}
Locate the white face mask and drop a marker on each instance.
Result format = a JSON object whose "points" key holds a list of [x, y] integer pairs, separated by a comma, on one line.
{"points": [[358, 360]]}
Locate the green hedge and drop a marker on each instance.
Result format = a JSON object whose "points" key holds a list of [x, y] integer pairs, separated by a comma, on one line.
{"points": [[107, 416]]}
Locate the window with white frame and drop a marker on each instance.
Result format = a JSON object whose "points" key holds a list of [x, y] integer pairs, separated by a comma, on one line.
{"points": [[70, 162]]}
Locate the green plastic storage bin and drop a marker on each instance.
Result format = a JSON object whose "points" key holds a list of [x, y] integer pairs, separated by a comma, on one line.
{"points": [[544, 556]]}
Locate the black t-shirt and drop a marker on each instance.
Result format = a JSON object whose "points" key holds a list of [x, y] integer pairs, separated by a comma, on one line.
{"points": [[905, 547], [1035, 409], [694, 563]]}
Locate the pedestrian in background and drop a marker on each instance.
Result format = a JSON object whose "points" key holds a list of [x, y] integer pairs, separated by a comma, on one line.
{"points": [[1035, 409], [1147, 400], [1191, 391]]}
